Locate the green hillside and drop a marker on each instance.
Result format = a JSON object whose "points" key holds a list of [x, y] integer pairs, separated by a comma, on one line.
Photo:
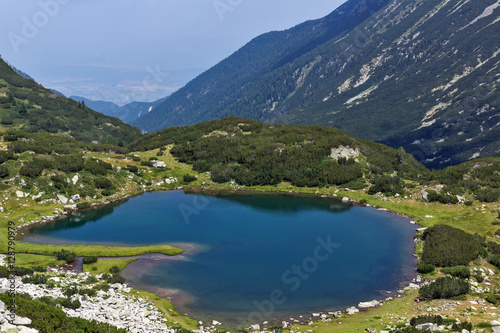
{"points": [[255, 154], [27, 106], [44, 175]]}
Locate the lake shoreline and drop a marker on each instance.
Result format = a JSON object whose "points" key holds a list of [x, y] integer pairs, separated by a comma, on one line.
{"points": [[216, 192], [55, 217]]}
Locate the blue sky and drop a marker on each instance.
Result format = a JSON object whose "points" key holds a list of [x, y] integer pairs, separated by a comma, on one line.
{"points": [[126, 50]]}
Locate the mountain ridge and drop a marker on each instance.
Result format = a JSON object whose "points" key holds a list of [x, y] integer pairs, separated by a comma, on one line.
{"points": [[418, 74], [126, 113], [255, 56]]}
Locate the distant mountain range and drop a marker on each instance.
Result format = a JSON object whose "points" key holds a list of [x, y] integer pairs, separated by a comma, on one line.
{"points": [[127, 113], [28, 106], [422, 74]]}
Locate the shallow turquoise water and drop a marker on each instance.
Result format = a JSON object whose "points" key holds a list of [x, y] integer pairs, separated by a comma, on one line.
{"points": [[251, 256]]}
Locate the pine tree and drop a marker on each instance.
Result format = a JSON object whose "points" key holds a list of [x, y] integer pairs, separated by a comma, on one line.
{"points": [[11, 100], [23, 111]]}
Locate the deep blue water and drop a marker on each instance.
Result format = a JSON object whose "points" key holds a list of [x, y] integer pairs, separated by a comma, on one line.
{"points": [[251, 255]]}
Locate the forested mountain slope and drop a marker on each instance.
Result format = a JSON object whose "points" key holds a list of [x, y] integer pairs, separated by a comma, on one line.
{"points": [[28, 106], [216, 90], [422, 74]]}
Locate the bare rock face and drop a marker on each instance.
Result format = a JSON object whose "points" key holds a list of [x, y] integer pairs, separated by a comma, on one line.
{"points": [[344, 152]]}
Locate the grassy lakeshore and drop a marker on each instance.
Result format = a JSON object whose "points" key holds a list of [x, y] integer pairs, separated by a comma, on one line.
{"points": [[97, 250], [476, 218], [104, 265]]}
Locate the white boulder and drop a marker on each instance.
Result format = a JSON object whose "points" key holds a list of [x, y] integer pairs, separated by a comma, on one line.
{"points": [[159, 164], [62, 199], [368, 305], [255, 327], [21, 321], [352, 310]]}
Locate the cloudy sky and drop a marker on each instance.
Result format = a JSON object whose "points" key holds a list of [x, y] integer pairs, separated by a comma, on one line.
{"points": [[136, 50]]}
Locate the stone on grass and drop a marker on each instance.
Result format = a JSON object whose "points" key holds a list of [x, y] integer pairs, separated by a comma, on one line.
{"points": [[62, 199], [368, 305]]}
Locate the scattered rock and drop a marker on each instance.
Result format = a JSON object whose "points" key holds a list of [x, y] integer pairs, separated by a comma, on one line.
{"points": [[112, 307], [171, 180]]}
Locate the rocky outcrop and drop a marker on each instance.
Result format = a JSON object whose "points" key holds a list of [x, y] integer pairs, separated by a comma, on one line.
{"points": [[115, 307], [344, 152]]}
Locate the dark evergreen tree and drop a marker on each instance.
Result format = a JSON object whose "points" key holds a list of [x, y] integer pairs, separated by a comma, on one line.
{"points": [[23, 111]]}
